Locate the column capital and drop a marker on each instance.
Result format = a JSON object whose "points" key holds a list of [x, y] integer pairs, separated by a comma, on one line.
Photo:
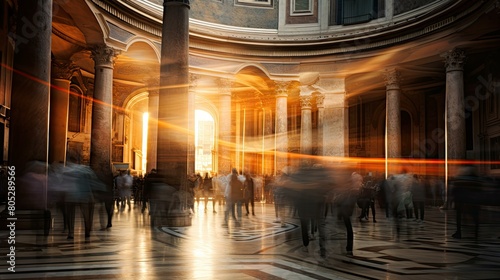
{"points": [[193, 80], [454, 60], [320, 100], [392, 78], [225, 86], [305, 102], [62, 69], [281, 88], [104, 56], [153, 85]]}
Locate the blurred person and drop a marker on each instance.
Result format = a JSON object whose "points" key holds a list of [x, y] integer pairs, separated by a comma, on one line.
{"points": [[468, 192], [279, 195], [249, 194], [193, 180], [80, 184], [124, 183], [151, 178], [208, 191], [402, 195], [308, 188], [418, 196], [345, 199], [234, 196]]}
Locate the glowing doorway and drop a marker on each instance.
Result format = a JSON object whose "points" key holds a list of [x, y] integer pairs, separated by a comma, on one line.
{"points": [[204, 142]]}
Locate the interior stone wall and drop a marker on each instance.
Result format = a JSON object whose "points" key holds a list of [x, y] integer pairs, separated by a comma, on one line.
{"points": [[226, 12]]}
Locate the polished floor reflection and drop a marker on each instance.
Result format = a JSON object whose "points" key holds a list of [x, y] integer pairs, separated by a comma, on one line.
{"points": [[258, 248]]}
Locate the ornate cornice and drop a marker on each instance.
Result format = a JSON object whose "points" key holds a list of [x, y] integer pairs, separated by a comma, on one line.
{"points": [[454, 60], [319, 43]]}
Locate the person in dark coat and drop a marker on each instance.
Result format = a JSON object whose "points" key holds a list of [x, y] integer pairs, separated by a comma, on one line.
{"points": [[249, 194]]}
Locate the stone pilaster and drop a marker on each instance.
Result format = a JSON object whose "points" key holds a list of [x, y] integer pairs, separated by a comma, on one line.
{"points": [[173, 102], [101, 139], [224, 144], [393, 118], [29, 126], [320, 103], [334, 120], [306, 128], [281, 125], [455, 118], [62, 71]]}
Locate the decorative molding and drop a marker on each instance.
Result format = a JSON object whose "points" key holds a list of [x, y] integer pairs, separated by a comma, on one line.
{"points": [[305, 102], [454, 60], [268, 37], [281, 88], [62, 69], [330, 85], [225, 85], [320, 100], [119, 33], [193, 80], [67, 38], [104, 56]]}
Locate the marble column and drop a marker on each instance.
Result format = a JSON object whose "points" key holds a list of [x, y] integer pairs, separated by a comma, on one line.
{"points": [[29, 123], [62, 71], [320, 103], [101, 139], [153, 96], [224, 142], [393, 119], [281, 125], [306, 128], [193, 79], [455, 110], [173, 102], [268, 106]]}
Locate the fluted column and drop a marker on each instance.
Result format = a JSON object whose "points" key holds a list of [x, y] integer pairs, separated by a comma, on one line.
{"points": [[224, 126], [393, 118], [153, 95], [320, 103], [101, 140], [455, 118], [305, 128], [281, 125], [173, 103], [62, 72], [29, 125]]}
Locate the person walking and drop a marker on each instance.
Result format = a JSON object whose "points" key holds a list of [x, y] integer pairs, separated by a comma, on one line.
{"points": [[249, 194]]}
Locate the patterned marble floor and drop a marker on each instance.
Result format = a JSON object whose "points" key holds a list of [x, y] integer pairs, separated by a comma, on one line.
{"points": [[257, 249]]}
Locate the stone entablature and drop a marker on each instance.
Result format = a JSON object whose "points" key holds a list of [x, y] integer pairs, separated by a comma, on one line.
{"points": [[324, 41]]}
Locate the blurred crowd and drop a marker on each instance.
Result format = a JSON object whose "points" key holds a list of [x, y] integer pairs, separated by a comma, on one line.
{"points": [[314, 194]]}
